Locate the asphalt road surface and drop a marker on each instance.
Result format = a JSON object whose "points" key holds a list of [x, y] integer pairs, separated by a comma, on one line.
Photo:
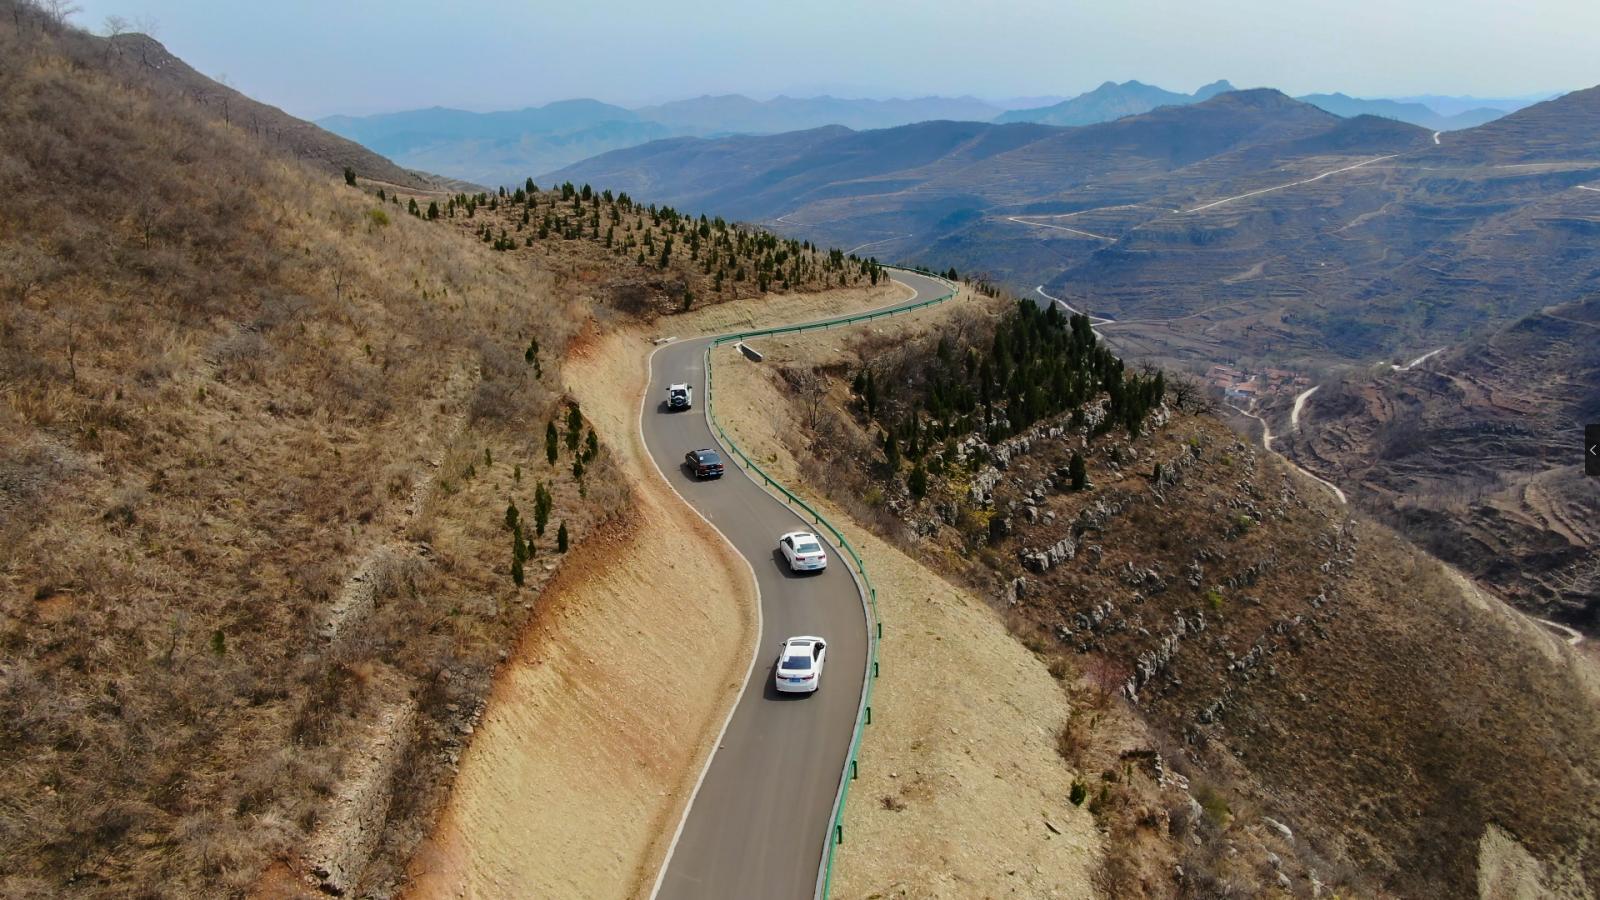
{"points": [[759, 822]]}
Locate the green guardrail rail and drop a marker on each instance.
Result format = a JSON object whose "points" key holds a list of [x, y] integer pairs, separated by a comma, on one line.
{"points": [[874, 627]]}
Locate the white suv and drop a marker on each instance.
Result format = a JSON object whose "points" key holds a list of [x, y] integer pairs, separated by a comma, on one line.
{"points": [[679, 396]]}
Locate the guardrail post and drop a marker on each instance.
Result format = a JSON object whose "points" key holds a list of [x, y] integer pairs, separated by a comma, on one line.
{"points": [[869, 715], [874, 668], [838, 834], [853, 771], [880, 627]]}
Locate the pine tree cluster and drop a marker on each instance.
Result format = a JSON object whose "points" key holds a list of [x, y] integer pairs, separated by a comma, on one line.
{"points": [[712, 258], [1038, 364]]}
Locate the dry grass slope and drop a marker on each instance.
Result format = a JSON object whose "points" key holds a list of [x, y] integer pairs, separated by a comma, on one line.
{"points": [[258, 440]]}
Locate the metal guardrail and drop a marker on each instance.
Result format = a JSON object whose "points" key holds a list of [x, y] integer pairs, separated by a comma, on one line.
{"points": [[875, 627]]}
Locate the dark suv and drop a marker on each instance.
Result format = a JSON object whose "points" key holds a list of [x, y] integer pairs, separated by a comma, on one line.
{"points": [[704, 463]]}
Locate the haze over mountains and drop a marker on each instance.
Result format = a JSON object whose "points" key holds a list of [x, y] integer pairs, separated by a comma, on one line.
{"points": [[1390, 239], [507, 147], [1112, 101]]}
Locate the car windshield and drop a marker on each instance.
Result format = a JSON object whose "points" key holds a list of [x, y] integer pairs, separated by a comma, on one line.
{"points": [[796, 663], [806, 547]]}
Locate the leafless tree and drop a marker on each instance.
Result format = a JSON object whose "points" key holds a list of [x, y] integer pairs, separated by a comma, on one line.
{"points": [[58, 11], [1190, 394], [812, 391], [114, 27], [1106, 677], [222, 79]]}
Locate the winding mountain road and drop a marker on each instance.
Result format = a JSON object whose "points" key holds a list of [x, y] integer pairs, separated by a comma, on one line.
{"points": [[761, 815]]}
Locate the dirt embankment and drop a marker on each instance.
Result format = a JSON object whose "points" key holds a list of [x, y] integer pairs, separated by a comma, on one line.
{"points": [[961, 791], [577, 776]]}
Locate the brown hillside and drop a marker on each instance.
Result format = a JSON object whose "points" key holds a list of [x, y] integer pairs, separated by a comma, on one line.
{"points": [[259, 436], [1296, 665], [1475, 455], [140, 60]]}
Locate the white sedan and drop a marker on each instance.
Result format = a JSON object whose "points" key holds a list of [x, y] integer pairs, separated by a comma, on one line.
{"points": [[799, 667], [803, 552]]}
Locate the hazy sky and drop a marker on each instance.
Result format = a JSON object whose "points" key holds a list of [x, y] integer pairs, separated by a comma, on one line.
{"points": [[359, 56]]}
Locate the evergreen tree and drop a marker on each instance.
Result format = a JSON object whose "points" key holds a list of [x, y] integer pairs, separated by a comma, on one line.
{"points": [[1078, 472], [550, 442], [513, 517], [891, 453], [561, 537], [349, 176], [433, 210], [918, 481], [542, 503], [574, 426]]}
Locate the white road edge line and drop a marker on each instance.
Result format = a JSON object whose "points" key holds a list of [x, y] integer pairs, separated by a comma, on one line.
{"points": [[1418, 361], [1574, 637], [1585, 187], [876, 243], [755, 647], [1299, 404], [1093, 320], [1289, 185], [1266, 444], [1098, 237]]}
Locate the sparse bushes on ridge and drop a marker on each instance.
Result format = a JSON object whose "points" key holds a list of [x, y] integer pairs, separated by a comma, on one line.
{"points": [[678, 259]]}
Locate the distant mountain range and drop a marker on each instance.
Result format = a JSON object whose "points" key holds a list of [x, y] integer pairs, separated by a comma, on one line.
{"points": [[1111, 101], [506, 147], [1259, 230], [1268, 226], [1414, 113], [736, 114]]}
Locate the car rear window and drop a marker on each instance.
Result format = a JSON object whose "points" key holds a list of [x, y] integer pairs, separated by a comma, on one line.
{"points": [[709, 458], [800, 663], [806, 547]]}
